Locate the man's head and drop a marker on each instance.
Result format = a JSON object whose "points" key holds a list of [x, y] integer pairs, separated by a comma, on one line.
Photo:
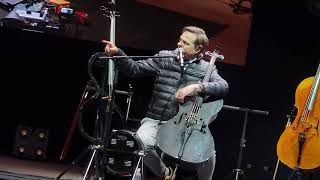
{"points": [[194, 41]]}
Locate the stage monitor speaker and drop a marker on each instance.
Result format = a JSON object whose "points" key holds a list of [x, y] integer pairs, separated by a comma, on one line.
{"points": [[31, 143]]}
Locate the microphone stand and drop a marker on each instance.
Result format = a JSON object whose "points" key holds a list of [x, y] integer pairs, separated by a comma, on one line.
{"points": [[238, 171], [103, 57]]}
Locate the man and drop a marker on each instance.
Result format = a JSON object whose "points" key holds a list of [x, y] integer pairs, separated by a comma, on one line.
{"points": [[167, 94]]}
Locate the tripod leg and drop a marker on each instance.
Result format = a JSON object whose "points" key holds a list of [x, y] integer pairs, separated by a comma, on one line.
{"points": [[310, 176], [138, 172], [142, 169], [237, 175], [238, 172], [299, 174], [73, 163], [90, 162], [174, 172]]}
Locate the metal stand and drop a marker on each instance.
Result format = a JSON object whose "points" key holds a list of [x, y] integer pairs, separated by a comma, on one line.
{"points": [[81, 155], [89, 87], [138, 172], [97, 146], [238, 171], [105, 103], [98, 173], [299, 172]]}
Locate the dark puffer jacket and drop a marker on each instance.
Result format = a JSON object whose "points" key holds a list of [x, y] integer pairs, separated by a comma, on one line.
{"points": [[168, 79]]}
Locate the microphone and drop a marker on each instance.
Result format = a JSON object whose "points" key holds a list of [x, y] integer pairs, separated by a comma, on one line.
{"points": [[180, 52]]}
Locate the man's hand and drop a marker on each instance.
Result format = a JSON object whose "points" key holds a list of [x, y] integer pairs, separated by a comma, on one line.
{"points": [[185, 91], [110, 48]]}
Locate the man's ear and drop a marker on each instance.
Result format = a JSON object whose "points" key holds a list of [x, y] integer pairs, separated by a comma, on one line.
{"points": [[199, 48]]}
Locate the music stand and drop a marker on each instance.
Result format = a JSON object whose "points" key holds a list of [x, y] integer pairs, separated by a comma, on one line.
{"points": [[238, 170]]}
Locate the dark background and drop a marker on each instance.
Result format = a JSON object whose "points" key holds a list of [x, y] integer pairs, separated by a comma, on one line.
{"points": [[138, 25], [43, 77]]}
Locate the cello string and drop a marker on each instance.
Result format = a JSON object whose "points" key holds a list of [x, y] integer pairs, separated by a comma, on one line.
{"points": [[189, 122], [312, 90], [306, 112], [198, 106], [305, 109], [194, 112], [313, 98]]}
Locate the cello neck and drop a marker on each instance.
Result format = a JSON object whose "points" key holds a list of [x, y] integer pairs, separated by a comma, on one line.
{"points": [[111, 66], [314, 90], [112, 23]]}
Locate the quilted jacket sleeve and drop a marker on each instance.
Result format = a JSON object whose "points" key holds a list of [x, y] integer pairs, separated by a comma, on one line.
{"points": [[147, 67], [217, 87]]}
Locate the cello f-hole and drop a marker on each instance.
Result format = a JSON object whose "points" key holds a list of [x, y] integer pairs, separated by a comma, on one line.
{"points": [[183, 114]]}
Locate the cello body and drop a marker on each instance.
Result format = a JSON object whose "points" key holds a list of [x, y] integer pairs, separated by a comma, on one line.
{"points": [[299, 145], [190, 143]]}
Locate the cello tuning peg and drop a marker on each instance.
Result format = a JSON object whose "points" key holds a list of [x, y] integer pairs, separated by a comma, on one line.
{"points": [[103, 8], [217, 48], [292, 113], [208, 53]]}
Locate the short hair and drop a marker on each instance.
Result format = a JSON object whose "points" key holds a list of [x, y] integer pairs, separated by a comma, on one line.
{"points": [[201, 37]]}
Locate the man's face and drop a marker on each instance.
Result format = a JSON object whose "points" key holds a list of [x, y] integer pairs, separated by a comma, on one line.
{"points": [[186, 42]]}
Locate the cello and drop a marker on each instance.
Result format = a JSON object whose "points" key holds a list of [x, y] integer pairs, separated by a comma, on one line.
{"points": [[191, 138], [299, 145]]}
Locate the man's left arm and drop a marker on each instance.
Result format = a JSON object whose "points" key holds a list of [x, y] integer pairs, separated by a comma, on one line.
{"points": [[217, 87]]}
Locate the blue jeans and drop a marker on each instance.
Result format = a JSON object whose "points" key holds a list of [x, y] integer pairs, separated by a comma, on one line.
{"points": [[147, 133]]}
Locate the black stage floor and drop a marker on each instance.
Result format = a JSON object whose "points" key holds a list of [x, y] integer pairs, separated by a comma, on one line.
{"points": [[12, 168]]}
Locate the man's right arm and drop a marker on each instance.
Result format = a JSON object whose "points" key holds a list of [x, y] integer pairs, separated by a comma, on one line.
{"points": [[128, 66]]}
